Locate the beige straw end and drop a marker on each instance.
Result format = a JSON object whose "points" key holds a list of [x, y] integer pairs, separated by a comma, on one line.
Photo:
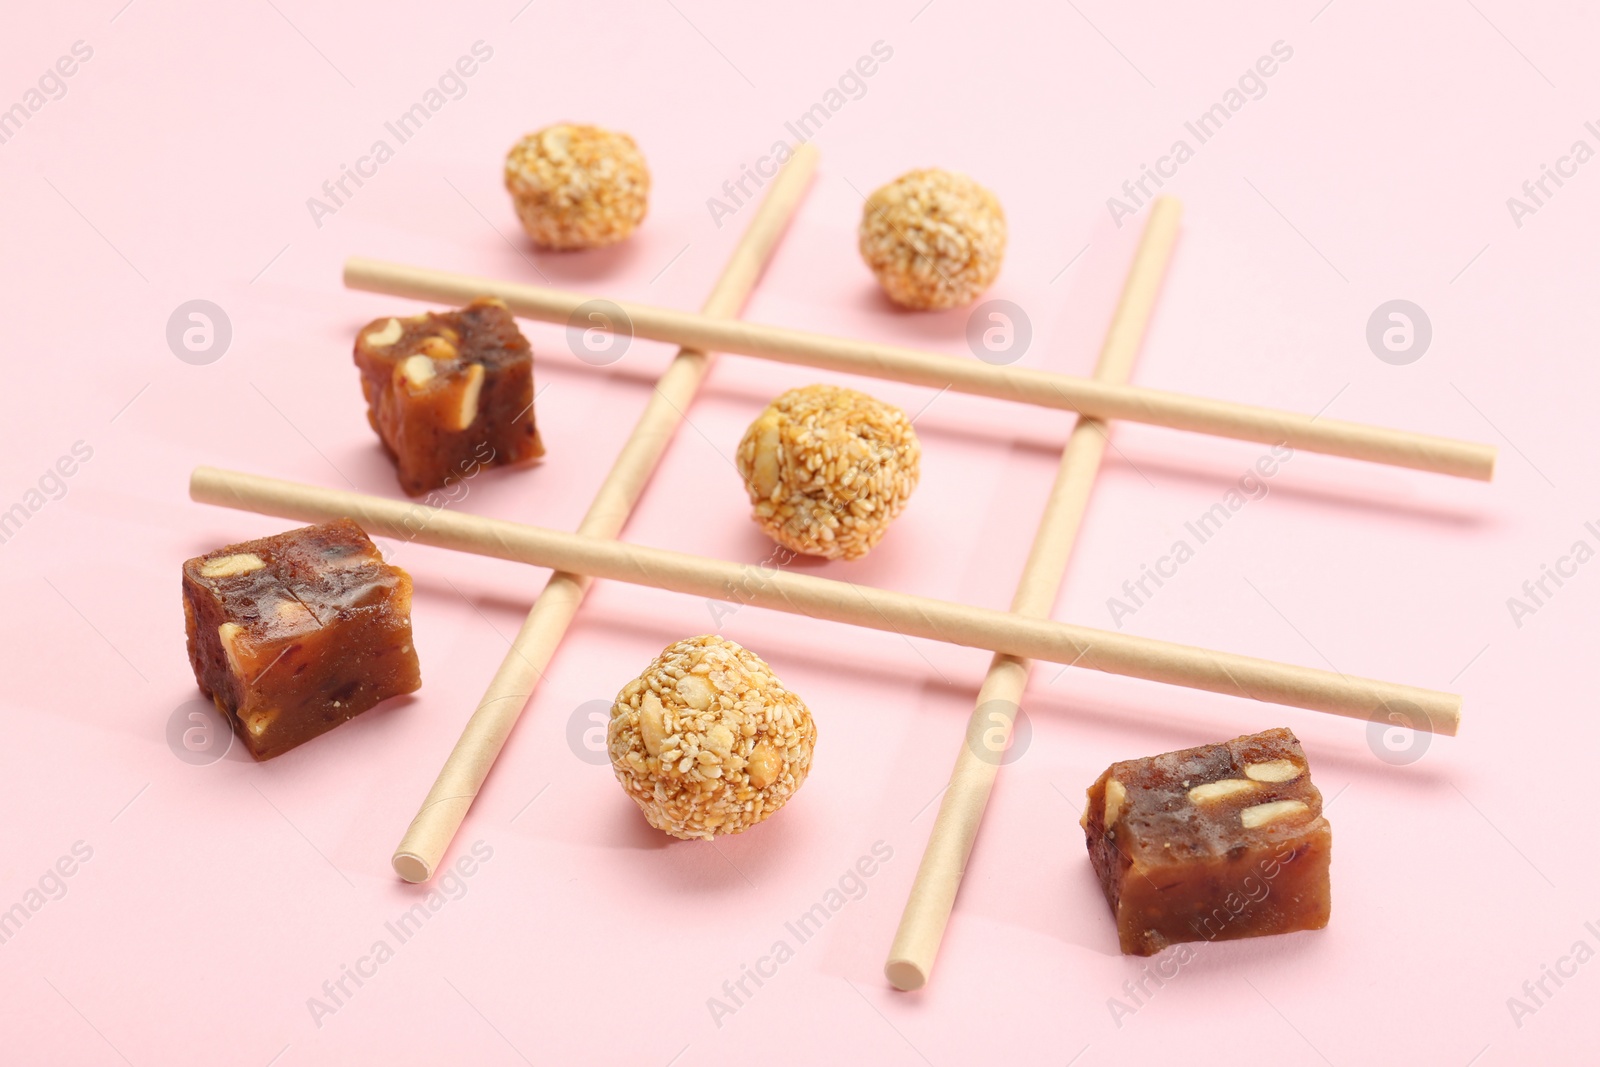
{"points": [[905, 975], [411, 867]]}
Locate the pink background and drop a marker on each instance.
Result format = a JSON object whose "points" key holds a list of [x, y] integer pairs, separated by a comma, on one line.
{"points": [[218, 899]]}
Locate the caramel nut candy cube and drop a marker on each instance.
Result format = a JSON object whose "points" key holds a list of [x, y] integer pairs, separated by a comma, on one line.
{"points": [[1211, 843], [294, 634], [449, 393]]}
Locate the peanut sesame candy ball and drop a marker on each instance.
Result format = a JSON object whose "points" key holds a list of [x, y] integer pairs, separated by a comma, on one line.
{"points": [[827, 469], [934, 239], [707, 741], [577, 186]]}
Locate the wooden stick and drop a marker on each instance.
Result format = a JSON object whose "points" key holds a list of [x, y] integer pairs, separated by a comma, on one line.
{"points": [[464, 772], [944, 859], [1098, 399], [837, 601]]}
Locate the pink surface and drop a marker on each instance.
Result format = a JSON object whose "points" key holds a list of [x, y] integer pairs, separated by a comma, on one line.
{"points": [[208, 904]]}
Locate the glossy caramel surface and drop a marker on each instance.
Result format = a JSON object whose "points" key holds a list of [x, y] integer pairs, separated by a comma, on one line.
{"points": [[293, 634], [1211, 843], [449, 393]]}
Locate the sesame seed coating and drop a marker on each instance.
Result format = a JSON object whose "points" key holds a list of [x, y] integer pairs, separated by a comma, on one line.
{"points": [[707, 741], [934, 239], [577, 186], [827, 469]]}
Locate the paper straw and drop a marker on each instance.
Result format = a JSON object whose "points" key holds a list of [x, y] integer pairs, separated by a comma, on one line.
{"points": [[464, 772], [944, 859], [1098, 399], [836, 601]]}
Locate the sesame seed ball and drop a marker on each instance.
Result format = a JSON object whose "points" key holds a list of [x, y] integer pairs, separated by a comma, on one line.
{"points": [[934, 239], [707, 741], [827, 469], [577, 186]]}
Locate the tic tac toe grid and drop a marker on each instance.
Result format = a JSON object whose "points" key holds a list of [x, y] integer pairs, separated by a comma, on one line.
{"points": [[1023, 633]]}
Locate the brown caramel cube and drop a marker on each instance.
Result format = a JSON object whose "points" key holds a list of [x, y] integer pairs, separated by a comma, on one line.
{"points": [[294, 634], [1211, 843], [449, 393]]}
